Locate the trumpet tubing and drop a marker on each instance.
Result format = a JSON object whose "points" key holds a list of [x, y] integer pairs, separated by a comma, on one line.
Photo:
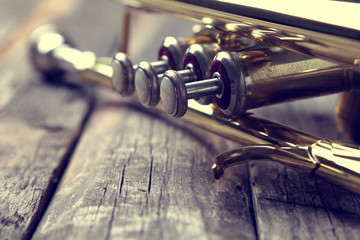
{"points": [[289, 25]]}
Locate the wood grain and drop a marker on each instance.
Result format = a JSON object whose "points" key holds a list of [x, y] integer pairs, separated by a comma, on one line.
{"points": [[136, 175], [35, 136], [291, 205], [39, 123], [38, 126]]}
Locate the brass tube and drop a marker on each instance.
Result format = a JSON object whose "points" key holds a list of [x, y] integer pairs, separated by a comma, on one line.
{"points": [[314, 34], [245, 130], [347, 114], [274, 82]]}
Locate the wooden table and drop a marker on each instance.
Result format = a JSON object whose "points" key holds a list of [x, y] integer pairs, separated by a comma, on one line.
{"points": [[79, 162]]}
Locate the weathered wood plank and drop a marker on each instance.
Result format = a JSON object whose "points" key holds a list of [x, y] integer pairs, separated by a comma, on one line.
{"points": [[291, 205], [40, 123], [35, 140], [35, 136], [139, 175]]}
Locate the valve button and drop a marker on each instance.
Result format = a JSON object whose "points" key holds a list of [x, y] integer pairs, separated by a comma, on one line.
{"points": [[147, 85], [123, 74], [173, 94], [142, 86]]}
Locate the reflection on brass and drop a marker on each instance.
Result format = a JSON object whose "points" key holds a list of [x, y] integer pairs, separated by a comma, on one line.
{"points": [[232, 42], [296, 157], [255, 56], [347, 114]]}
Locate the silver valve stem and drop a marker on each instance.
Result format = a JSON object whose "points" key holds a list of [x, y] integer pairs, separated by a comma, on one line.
{"points": [[213, 86]]}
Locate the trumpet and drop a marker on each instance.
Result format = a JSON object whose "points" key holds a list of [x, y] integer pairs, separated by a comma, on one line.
{"points": [[244, 56]]}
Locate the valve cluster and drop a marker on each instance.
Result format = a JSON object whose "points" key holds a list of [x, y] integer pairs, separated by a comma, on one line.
{"points": [[183, 71]]}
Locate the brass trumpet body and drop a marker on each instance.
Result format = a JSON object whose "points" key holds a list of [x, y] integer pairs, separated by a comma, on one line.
{"points": [[267, 140]]}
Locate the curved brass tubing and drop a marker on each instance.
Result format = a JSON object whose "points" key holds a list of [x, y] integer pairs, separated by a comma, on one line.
{"points": [[338, 163], [296, 157]]}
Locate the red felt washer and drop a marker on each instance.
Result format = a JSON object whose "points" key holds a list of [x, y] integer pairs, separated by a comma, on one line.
{"points": [[224, 101], [190, 59], [164, 51]]}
